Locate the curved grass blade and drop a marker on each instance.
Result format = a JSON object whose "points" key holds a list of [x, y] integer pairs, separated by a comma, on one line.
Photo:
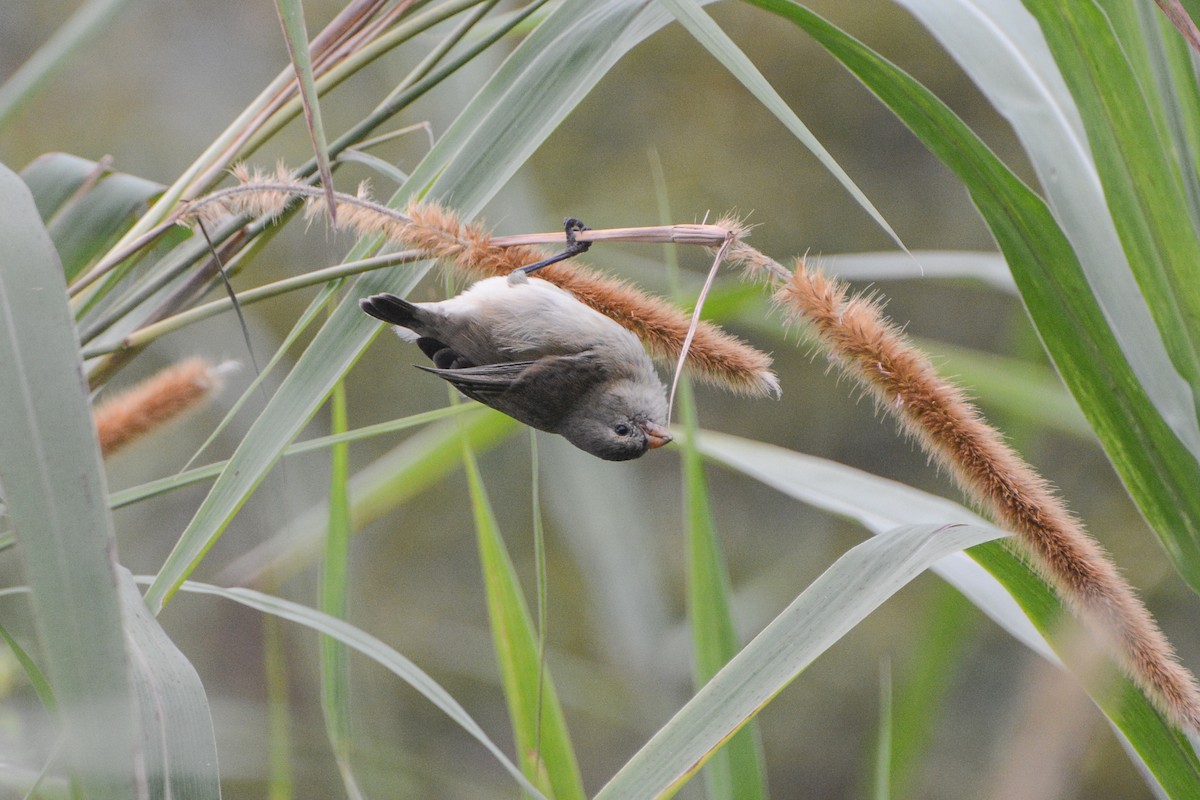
{"points": [[37, 679], [1009, 592], [1158, 468], [54, 496], [543, 743], [529, 95], [291, 17], [1142, 183], [371, 647], [421, 462], [999, 45], [854, 586], [179, 746], [85, 205], [987, 268], [737, 770], [336, 347], [709, 34], [89, 20], [335, 661]]}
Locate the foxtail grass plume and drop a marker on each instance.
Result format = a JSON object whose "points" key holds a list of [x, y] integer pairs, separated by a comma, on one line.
{"points": [[146, 407], [871, 349]]}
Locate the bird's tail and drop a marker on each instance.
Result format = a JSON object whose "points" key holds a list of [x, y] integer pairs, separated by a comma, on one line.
{"points": [[390, 308]]}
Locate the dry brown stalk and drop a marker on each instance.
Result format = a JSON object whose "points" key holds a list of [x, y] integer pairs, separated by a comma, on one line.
{"points": [[147, 406], [933, 411]]}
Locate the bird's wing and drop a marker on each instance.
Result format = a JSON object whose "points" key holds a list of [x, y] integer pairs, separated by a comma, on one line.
{"points": [[539, 393]]}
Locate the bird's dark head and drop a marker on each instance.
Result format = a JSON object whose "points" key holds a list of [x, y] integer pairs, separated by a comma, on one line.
{"points": [[620, 423]]}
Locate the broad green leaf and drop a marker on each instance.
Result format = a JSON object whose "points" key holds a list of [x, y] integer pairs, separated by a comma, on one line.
{"points": [[543, 743], [369, 646], [1143, 186], [1001, 48], [179, 747], [54, 493], [53, 178], [1171, 61], [1157, 468], [854, 586], [1009, 592], [85, 205]]}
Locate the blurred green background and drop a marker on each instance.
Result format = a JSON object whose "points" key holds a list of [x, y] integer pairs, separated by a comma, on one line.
{"points": [[166, 76]]}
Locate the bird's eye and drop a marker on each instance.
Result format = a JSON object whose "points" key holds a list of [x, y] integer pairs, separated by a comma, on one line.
{"points": [[622, 429]]}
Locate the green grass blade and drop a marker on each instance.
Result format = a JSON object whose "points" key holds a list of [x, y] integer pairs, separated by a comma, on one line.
{"points": [[1171, 59], [967, 265], [37, 678], [291, 17], [179, 746], [854, 586], [1009, 592], [371, 647], [543, 744], [882, 777], [89, 20], [416, 465], [335, 661], [280, 775], [999, 45], [709, 34], [737, 770], [54, 495], [1142, 184], [1158, 468], [187, 477]]}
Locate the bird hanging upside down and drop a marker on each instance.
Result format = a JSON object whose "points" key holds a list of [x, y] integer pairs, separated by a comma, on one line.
{"points": [[533, 351]]}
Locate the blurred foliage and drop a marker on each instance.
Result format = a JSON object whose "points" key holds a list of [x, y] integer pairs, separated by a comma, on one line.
{"points": [[156, 87]]}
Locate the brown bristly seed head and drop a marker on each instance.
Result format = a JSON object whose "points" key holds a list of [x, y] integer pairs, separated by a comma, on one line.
{"points": [[161, 398], [936, 413], [715, 356]]}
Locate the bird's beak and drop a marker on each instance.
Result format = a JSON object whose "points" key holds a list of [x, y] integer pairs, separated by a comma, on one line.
{"points": [[656, 434]]}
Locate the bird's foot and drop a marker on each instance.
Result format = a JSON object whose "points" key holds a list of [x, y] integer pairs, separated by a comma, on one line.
{"points": [[572, 226]]}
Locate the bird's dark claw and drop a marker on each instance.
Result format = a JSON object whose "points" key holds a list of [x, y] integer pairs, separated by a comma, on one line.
{"points": [[572, 226]]}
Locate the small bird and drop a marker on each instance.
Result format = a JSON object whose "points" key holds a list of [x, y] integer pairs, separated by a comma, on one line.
{"points": [[533, 351]]}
